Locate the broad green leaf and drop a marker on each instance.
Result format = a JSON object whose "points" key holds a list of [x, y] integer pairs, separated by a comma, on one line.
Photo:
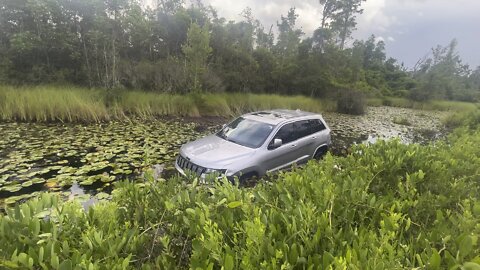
{"points": [[465, 246], [435, 260], [66, 265], [471, 266], [229, 263], [234, 204]]}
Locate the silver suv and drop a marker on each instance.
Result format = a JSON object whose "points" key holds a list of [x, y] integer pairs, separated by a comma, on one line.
{"points": [[257, 143]]}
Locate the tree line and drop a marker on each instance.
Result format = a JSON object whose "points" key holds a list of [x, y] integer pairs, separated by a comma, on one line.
{"points": [[179, 48]]}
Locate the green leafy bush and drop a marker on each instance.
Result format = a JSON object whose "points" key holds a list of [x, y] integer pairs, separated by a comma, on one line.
{"points": [[385, 206], [351, 102]]}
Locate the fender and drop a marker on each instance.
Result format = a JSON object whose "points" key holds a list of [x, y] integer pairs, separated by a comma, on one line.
{"points": [[320, 146]]}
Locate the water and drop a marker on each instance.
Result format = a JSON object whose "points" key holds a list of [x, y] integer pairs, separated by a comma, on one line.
{"points": [[378, 123]]}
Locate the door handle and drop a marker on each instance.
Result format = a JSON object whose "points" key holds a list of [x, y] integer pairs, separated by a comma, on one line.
{"points": [[314, 137], [293, 145]]}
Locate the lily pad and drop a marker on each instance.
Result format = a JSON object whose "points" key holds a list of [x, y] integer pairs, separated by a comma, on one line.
{"points": [[27, 183], [102, 196], [12, 188], [58, 155], [88, 181]]}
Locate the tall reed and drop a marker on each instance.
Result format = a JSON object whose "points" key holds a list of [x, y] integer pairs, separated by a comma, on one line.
{"points": [[74, 104]]}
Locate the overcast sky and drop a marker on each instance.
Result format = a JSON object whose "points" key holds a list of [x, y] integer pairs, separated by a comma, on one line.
{"points": [[410, 28]]}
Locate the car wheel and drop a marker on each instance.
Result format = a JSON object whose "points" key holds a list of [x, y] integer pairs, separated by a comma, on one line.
{"points": [[320, 153], [248, 179]]}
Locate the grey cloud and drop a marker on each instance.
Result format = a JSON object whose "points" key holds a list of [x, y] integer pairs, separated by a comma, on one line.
{"points": [[409, 27]]}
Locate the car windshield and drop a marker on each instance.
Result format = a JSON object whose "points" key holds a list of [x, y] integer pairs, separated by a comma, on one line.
{"points": [[246, 132]]}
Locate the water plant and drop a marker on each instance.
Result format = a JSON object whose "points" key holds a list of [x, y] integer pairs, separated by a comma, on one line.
{"points": [[39, 157]]}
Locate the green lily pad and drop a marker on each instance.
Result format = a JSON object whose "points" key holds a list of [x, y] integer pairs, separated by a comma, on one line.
{"points": [[107, 178], [102, 196], [14, 199], [88, 181], [118, 171], [38, 180], [27, 183], [68, 153], [67, 170], [12, 188]]}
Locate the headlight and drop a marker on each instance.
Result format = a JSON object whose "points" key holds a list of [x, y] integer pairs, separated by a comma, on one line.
{"points": [[209, 171], [217, 173]]}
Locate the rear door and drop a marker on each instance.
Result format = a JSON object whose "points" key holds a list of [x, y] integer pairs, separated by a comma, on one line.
{"points": [[322, 133], [307, 138]]}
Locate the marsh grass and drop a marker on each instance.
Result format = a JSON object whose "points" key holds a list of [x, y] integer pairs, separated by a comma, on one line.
{"points": [[74, 104], [43, 104], [434, 105], [467, 119]]}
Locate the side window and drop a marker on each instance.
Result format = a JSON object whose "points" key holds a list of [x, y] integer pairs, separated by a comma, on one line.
{"points": [[286, 133], [318, 125], [303, 128], [308, 127]]}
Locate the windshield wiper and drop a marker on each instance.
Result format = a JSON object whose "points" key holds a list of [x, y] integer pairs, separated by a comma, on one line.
{"points": [[230, 140], [222, 135]]}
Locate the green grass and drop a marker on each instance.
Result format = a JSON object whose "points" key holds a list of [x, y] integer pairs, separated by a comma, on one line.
{"points": [[469, 119], [434, 105], [44, 104], [74, 104]]}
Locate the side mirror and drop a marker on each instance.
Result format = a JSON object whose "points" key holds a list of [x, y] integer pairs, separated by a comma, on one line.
{"points": [[277, 143]]}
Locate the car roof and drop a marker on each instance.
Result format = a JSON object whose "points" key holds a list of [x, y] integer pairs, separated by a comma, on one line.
{"points": [[276, 117]]}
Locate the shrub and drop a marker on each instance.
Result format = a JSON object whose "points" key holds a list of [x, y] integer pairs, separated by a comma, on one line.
{"points": [[387, 102], [401, 121], [467, 119], [351, 102]]}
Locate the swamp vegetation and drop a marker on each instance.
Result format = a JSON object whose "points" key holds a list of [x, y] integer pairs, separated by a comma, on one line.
{"points": [[94, 93], [36, 157], [82, 105], [385, 205]]}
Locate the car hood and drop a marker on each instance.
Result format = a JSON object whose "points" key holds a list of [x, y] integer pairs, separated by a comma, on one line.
{"points": [[214, 152]]}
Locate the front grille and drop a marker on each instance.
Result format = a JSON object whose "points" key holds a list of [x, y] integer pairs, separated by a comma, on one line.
{"points": [[187, 165]]}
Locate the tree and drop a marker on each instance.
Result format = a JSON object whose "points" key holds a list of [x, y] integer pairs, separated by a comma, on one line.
{"points": [[264, 39], [121, 43], [344, 20], [324, 33], [441, 75], [169, 6], [288, 35], [197, 50]]}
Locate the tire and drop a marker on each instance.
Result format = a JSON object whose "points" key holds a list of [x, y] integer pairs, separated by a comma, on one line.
{"points": [[320, 153], [248, 179]]}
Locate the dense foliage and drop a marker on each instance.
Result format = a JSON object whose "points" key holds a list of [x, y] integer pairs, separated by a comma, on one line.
{"points": [[175, 47], [384, 206]]}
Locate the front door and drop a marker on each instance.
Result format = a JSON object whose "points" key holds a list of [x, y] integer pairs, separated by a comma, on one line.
{"points": [[287, 153]]}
